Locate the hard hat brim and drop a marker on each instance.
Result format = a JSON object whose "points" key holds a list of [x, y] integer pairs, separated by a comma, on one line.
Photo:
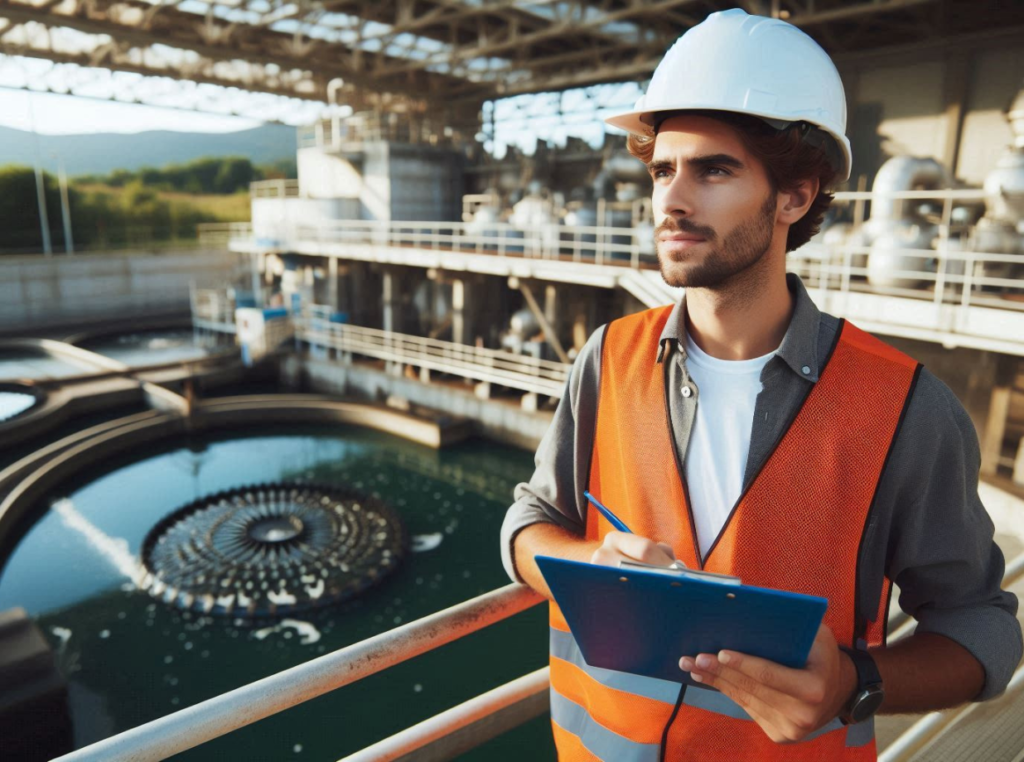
{"points": [[632, 122]]}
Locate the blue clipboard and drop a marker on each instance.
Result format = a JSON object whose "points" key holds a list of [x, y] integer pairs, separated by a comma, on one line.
{"points": [[640, 621]]}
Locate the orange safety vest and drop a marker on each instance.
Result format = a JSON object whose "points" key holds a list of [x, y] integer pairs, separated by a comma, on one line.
{"points": [[798, 527]]}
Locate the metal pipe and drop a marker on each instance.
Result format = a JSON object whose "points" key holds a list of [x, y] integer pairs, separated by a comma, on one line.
{"points": [[65, 207], [220, 715], [44, 219], [902, 173], [332, 98], [467, 725]]}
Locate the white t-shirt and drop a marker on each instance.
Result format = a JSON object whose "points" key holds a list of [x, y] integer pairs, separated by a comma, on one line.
{"points": [[716, 457]]}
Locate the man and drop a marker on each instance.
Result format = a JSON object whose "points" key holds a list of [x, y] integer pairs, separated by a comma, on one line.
{"points": [[744, 432]]}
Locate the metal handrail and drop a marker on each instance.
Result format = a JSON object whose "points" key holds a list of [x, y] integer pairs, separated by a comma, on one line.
{"points": [[504, 368], [467, 725], [317, 317], [274, 189], [626, 246], [229, 711], [483, 364], [213, 310], [601, 245]]}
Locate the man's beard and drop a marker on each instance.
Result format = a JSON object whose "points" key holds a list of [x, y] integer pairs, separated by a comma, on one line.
{"points": [[739, 250]]}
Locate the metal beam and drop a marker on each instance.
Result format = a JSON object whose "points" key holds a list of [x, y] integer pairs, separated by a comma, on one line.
{"points": [[255, 80], [874, 7], [522, 41], [549, 331], [179, 29]]}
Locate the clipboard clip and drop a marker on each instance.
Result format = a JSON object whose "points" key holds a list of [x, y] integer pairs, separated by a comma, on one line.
{"points": [[674, 571]]}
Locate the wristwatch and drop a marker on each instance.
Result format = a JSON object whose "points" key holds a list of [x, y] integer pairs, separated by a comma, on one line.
{"points": [[869, 694]]}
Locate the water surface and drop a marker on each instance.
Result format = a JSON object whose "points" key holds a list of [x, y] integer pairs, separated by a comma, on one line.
{"points": [[131, 659]]}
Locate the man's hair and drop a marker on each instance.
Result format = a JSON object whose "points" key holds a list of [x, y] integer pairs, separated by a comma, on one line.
{"points": [[787, 158]]}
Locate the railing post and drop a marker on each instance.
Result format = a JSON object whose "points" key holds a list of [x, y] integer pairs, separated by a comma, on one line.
{"points": [[940, 265], [968, 284], [845, 274]]}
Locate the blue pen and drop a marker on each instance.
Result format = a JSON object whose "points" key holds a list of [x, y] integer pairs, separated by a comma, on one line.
{"points": [[612, 518], [616, 522]]}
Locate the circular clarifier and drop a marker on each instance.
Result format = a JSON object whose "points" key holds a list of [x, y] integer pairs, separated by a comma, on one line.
{"points": [[271, 549]]}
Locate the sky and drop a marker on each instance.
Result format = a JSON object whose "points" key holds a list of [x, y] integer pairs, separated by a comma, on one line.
{"points": [[68, 114], [520, 121]]}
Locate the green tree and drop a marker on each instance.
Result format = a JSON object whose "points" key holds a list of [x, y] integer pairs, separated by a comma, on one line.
{"points": [[19, 210], [234, 174]]}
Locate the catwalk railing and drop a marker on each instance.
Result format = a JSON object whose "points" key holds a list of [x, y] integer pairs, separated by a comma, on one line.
{"points": [[213, 310], [487, 365], [442, 737], [948, 275], [274, 189], [439, 738], [591, 245]]}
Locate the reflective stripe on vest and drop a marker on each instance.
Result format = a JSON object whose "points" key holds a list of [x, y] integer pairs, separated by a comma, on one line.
{"points": [[798, 527]]}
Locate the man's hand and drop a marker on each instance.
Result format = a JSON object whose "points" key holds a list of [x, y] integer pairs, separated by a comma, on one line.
{"points": [[788, 704], [623, 546]]}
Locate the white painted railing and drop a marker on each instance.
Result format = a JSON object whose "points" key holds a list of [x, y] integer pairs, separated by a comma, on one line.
{"points": [[212, 310], [274, 189], [947, 273], [221, 233], [592, 245], [439, 738], [194, 725], [948, 293], [488, 365]]}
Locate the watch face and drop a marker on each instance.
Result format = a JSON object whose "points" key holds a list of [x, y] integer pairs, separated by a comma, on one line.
{"points": [[867, 703]]}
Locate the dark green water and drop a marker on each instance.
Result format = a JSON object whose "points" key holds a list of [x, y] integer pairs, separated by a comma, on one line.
{"points": [[130, 659]]}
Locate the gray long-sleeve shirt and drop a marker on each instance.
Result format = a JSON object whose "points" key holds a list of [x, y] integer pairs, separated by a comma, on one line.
{"points": [[929, 532]]}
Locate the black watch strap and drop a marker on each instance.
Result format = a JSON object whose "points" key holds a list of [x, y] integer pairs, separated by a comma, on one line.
{"points": [[867, 698], [867, 670]]}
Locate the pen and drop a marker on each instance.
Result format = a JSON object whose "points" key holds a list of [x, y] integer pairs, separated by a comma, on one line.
{"points": [[616, 522], [612, 518]]}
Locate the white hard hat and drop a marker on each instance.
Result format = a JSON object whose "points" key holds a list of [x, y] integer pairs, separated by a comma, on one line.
{"points": [[748, 65]]}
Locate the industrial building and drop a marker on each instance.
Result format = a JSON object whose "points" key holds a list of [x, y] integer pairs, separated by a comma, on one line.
{"points": [[414, 279]]}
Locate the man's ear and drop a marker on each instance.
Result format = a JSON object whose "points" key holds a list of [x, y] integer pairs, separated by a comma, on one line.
{"points": [[794, 203]]}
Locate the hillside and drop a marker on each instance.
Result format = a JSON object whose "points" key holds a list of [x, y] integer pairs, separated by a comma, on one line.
{"points": [[102, 153]]}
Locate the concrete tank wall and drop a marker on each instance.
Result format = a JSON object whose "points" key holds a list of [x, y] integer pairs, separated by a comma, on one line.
{"points": [[494, 419], [38, 292]]}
